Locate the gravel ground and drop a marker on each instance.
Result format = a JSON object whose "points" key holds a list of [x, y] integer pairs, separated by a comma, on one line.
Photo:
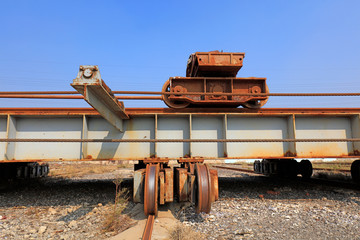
{"points": [[250, 207], [54, 208], [257, 207]]}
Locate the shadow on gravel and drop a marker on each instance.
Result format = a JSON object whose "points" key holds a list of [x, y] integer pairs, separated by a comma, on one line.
{"points": [[258, 187], [60, 192]]}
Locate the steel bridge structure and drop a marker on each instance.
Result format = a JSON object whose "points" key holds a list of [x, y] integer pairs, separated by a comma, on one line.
{"points": [[30, 137], [73, 134]]}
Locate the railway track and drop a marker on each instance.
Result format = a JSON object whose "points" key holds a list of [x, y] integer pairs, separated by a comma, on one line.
{"points": [[328, 182], [148, 227]]}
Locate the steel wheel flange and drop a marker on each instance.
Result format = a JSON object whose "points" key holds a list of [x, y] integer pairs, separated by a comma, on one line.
{"points": [[170, 103], [151, 189], [202, 188], [256, 104]]}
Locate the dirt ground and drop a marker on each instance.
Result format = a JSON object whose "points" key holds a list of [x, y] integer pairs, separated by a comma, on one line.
{"points": [[67, 206]]}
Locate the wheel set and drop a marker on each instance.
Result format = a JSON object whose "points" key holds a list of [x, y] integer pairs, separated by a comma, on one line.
{"points": [[157, 184]]}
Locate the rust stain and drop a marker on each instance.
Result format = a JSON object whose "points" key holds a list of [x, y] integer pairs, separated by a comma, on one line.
{"points": [[214, 73], [289, 154], [181, 177], [214, 185], [355, 153]]}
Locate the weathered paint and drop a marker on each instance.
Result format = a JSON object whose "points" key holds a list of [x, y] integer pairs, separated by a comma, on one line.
{"points": [[161, 124], [138, 190], [3, 127]]}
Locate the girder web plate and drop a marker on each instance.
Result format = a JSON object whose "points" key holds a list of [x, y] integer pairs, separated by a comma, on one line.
{"points": [[185, 125]]}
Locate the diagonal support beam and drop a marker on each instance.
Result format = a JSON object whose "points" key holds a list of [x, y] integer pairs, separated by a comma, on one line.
{"points": [[89, 83]]}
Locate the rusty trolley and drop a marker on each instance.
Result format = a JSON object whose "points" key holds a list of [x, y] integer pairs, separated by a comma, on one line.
{"points": [[214, 72]]}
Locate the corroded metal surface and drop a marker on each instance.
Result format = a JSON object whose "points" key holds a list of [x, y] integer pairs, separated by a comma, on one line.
{"points": [[151, 189], [148, 227], [159, 135], [214, 73], [132, 112], [203, 188], [214, 63], [96, 93]]}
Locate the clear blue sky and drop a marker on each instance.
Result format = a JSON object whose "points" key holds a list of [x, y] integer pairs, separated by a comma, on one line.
{"points": [[299, 46]]}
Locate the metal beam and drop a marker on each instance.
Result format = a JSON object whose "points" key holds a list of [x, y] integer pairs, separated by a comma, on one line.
{"points": [[89, 84], [150, 132]]}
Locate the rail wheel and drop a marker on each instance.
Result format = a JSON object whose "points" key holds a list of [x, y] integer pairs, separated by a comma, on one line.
{"points": [[257, 103], [355, 171], [306, 169], [170, 103], [202, 188], [151, 189]]}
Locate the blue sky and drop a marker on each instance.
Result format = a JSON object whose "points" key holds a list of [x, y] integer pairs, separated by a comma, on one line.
{"points": [[299, 46]]}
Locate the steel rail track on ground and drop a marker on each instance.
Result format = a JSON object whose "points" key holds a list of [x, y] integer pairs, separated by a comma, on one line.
{"points": [[148, 227], [333, 183]]}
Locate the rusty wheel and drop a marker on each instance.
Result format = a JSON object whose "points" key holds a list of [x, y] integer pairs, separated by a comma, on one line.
{"points": [[151, 189], [257, 103], [203, 188], [170, 103]]}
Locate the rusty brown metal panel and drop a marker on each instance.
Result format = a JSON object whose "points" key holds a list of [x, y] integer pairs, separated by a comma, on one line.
{"points": [[214, 185], [191, 188], [169, 186], [181, 181], [218, 86], [213, 63], [162, 188]]}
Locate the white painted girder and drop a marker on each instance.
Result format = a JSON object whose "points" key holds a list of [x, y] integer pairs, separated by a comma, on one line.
{"points": [[179, 126]]}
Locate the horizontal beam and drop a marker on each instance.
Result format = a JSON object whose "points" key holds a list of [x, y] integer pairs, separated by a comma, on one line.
{"points": [[8, 93], [178, 140], [199, 111], [82, 134]]}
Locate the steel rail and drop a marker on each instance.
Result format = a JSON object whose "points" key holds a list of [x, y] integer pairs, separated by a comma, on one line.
{"points": [[37, 92], [75, 97], [237, 169], [148, 227], [342, 184], [178, 140], [186, 93], [331, 169]]}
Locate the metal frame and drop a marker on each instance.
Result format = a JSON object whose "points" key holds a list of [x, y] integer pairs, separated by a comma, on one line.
{"points": [[167, 134]]}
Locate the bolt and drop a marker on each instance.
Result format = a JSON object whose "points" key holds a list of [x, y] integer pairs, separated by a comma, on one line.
{"points": [[88, 73]]}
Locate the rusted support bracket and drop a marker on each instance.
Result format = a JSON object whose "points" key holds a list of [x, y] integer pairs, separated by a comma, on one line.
{"points": [[89, 83]]}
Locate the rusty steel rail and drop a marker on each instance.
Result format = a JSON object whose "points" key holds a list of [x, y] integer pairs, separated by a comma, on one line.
{"points": [[148, 227], [7, 94], [251, 171], [177, 140], [237, 169], [75, 97], [331, 169]]}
